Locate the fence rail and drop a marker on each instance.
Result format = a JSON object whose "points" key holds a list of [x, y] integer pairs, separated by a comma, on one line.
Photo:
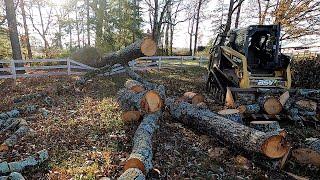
{"points": [[71, 67]]}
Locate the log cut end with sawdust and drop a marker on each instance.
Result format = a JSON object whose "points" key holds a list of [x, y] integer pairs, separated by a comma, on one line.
{"points": [[140, 48]]}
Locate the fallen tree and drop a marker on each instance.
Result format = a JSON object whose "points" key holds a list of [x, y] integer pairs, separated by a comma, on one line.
{"points": [[272, 144], [142, 47]]}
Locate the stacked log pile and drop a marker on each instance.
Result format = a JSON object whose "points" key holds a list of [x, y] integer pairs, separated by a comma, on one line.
{"points": [[141, 98], [306, 74]]}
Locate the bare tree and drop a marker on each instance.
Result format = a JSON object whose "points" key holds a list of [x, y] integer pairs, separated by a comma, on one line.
{"points": [[157, 11], [44, 26], [26, 31], [200, 2]]}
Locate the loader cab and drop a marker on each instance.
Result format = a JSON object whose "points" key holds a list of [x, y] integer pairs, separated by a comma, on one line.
{"points": [[260, 45]]}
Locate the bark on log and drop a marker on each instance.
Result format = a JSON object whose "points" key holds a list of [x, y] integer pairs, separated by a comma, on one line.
{"points": [[145, 102], [271, 105], [132, 173], [19, 166], [134, 85], [265, 126], [310, 153], [141, 155], [249, 109], [270, 144], [232, 114], [10, 114], [193, 98], [306, 105], [16, 136], [143, 47], [131, 116]]}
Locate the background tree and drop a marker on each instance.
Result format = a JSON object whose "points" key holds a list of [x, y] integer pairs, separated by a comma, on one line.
{"points": [[13, 32]]}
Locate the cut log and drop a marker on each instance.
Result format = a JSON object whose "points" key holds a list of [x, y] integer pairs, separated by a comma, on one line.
{"points": [[140, 48], [310, 154], [194, 98], [284, 98], [19, 166], [270, 144], [134, 85], [232, 114], [265, 126], [132, 174], [249, 109], [141, 155], [306, 105], [230, 103], [270, 104], [145, 102], [131, 116], [15, 137], [148, 85]]}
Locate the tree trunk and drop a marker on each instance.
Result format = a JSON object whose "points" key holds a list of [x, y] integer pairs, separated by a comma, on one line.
{"points": [[26, 31], [231, 114], [228, 23], [265, 126], [43, 35], [70, 34], [78, 30], [236, 24], [197, 27], [144, 47], [141, 155], [191, 25], [88, 21], [13, 33], [271, 145]]}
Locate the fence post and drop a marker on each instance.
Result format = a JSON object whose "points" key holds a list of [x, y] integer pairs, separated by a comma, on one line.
{"points": [[159, 63], [13, 71], [69, 67], [200, 61], [181, 62]]}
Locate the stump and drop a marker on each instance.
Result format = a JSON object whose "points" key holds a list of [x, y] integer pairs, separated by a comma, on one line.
{"points": [[265, 126], [232, 114], [272, 145], [270, 104], [131, 116], [194, 98], [134, 85]]}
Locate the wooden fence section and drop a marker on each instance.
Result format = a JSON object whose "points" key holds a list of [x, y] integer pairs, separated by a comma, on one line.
{"points": [[71, 67]]}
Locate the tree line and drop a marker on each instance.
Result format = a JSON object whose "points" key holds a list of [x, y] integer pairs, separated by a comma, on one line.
{"points": [[112, 24]]}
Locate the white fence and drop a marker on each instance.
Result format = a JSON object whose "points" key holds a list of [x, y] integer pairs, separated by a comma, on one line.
{"points": [[71, 67]]}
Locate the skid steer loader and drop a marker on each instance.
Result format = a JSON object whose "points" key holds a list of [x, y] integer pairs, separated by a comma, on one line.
{"points": [[246, 64]]}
